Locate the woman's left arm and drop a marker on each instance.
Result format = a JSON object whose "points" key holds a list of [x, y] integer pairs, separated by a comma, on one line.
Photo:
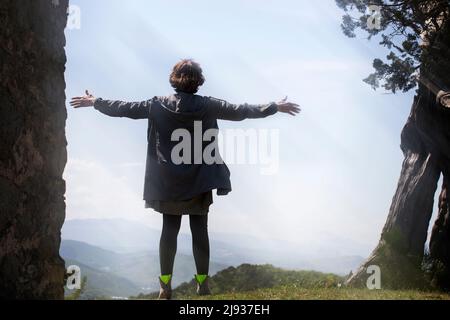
{"points": [[226, 111], [132, 110]]}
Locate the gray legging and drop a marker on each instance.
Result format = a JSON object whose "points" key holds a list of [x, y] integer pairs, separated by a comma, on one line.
{"points": [[200, 242]]}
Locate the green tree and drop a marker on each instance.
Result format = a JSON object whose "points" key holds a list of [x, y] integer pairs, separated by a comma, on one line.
{"points": [[417, 35]]}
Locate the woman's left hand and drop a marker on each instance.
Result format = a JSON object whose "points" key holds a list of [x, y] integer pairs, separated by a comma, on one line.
{"points": [[288, 107]]}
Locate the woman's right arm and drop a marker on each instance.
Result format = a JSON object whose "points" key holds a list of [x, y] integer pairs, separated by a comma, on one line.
{"points": [[112, 108], [132, 110]]}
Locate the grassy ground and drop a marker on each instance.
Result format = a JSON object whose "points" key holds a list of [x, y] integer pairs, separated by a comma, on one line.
{"points": [[293, 293], [265, 282]]}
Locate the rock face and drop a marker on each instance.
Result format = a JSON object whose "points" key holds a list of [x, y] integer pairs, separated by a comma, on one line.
{"points": [[32, 148], [426, 146]]}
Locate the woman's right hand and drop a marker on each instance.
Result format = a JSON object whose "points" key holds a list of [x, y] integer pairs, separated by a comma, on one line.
{"points": [[83, 102]]}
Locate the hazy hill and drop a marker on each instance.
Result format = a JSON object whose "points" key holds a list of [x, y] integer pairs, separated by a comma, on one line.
{"points": [[141, 269], [227, 249], [103, 284], [117, 235], [248, 277], [92, 256], [124, 236]]}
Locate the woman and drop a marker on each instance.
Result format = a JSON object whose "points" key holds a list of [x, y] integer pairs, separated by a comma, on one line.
{"points": [[173, 187]]}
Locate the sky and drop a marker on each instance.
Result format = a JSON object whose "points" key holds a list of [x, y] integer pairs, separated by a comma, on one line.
{"points": [[339, 161]]}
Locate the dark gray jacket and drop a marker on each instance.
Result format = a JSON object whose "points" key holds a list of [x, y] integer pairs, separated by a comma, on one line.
{"points": [[165, 180]]}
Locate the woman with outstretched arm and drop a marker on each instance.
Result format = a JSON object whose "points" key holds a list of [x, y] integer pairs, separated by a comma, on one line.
{"points": [[177, 188]]}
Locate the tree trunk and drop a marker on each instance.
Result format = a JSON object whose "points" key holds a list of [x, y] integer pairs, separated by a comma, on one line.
{"points": [[32, 148], [426, 146], [440, 240]]}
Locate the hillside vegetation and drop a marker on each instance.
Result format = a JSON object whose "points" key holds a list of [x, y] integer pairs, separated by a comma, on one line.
{"points": [[292, 292], [265, 282], [248, 277]]}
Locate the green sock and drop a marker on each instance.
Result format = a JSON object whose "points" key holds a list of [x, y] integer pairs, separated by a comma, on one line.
{"points": [[201, 278], [166, 278]]}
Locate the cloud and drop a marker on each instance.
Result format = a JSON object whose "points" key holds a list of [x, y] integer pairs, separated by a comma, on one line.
{"points": [[316, 65], [98, 191]]}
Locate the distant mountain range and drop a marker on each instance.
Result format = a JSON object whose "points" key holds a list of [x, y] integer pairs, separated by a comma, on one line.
{"points": [[123, 236], [103, 284], [111, 274], [120, 258]]}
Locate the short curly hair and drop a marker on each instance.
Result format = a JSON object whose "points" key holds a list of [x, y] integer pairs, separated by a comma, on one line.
{"points": [[187, 76]]}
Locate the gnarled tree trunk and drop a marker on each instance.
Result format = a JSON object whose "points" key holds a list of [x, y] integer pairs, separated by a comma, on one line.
{"points": [[32, 148], [426, 146], [440, 239]]}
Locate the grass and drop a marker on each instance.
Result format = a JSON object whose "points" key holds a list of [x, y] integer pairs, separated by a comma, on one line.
{"points": [[295, 293], [265, 282]]}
